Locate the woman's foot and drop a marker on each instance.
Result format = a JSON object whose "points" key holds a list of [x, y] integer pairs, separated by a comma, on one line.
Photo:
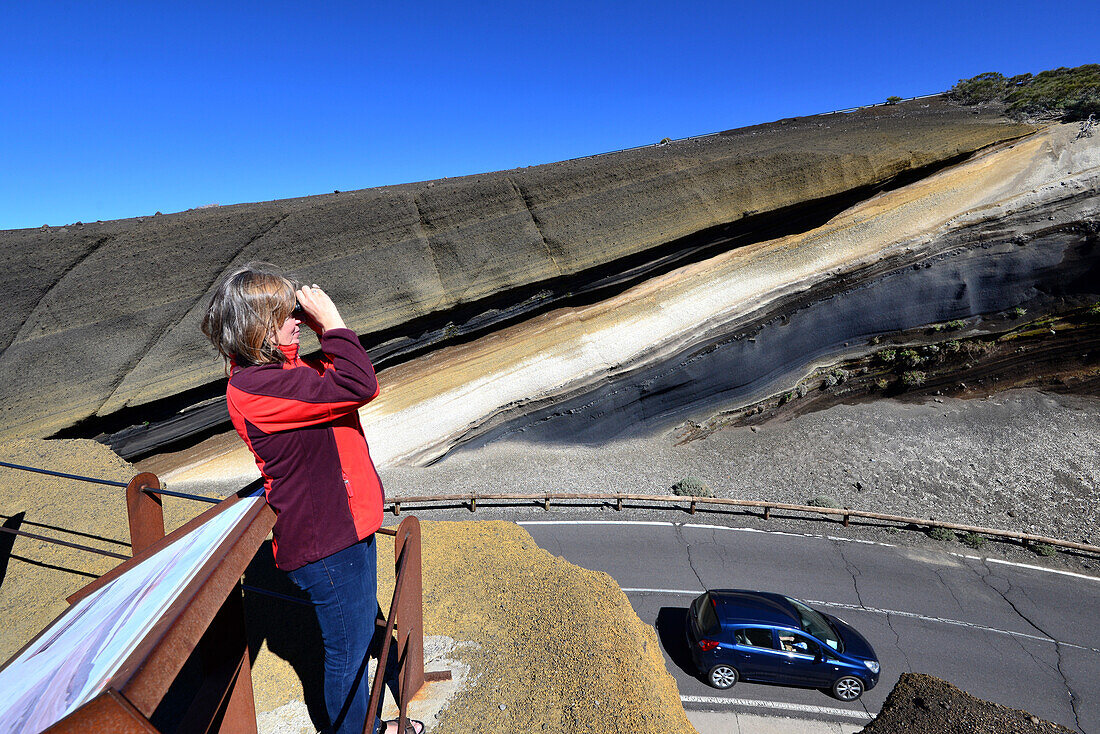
{"points": [[412, 726]]}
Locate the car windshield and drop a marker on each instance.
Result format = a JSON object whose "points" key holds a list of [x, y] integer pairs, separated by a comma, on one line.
{"points": [[705, 618], [816, 624]]}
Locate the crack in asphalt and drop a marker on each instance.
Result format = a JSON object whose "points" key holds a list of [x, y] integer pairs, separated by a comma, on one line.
{"points": [[1073, 696], [897, 643], [951, 591], [856, 573], [687, 546], [852, 570]]}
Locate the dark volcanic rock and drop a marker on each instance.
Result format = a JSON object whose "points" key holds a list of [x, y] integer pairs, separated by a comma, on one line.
{"points": [[923, 704], [981, 269], [105, 316]]}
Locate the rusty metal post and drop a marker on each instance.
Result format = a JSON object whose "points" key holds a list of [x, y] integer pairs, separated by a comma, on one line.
{"points": [[410, 611], [846, 518], [144, 511], [767, 513]]}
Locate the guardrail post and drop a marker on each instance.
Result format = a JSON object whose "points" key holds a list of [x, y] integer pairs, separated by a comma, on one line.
{"points": [[144, 512], [473, 504], [410, 611], [397, 508], [619, 502], [767, 513]]}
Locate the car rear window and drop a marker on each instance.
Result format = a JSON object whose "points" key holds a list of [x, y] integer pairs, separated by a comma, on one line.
{"points": [[702, 610]]}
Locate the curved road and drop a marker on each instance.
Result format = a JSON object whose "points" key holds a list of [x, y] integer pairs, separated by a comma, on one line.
{"points": [[1019, 635]]}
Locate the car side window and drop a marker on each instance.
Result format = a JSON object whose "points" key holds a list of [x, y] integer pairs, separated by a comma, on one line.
{"points": [[798, 644], [754, 637]]}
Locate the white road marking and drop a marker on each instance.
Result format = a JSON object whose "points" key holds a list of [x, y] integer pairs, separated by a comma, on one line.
{"points": [[652, 523], [596, 522], [777, 705], [1040, 568], [894, 612]]}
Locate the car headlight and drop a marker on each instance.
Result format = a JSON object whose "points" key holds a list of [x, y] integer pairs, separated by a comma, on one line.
{"points": [[872, 665]]}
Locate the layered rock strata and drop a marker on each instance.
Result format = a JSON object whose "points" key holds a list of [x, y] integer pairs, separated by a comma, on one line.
{"points": [[104, 317], [1016, 225]]}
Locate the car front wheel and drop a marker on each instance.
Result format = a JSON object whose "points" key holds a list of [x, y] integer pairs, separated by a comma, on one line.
{"points": [[848, 688], [722, 676]]}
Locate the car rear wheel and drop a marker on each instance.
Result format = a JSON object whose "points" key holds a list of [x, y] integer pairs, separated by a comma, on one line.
{"points": [[722, 676], [848, 688]]}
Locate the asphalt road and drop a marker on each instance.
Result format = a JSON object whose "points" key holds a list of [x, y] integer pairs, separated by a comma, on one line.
{"points": [[1021, 636]]}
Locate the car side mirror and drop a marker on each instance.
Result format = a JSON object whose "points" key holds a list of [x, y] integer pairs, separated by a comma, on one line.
{"points": [[818, 657]]}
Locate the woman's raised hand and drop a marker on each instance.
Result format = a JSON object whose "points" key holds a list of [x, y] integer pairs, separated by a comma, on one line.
{"points": [[321, 313]]}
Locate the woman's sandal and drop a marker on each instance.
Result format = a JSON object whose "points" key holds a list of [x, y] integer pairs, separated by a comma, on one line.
{"points": [[412, 726]]}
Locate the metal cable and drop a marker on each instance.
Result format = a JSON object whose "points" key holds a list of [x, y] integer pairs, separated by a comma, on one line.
{"points": [[63, 474], [65, 543], [108, 482]]}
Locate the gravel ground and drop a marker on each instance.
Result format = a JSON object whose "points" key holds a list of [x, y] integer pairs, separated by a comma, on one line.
{"points": [[922, 704], [1021, 460]]}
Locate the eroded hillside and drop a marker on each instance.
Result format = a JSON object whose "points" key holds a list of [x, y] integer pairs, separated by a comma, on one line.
{"points": [[103, 324]]}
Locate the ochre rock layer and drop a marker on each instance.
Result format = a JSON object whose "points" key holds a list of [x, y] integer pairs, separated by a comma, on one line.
{"points": [[105, 315]]}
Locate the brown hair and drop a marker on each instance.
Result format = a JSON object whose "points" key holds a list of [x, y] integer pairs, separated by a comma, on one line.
{"points": [[248, 305]]}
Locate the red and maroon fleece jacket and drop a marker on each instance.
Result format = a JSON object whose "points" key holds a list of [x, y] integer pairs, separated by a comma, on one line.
{"points": [[300, 419]]}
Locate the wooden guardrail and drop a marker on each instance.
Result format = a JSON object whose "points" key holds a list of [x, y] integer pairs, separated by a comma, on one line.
{"points": [[691, 503]]}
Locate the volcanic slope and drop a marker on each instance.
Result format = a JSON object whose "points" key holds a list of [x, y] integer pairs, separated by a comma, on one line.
{"points": [[103, 317], [1010, 226]]}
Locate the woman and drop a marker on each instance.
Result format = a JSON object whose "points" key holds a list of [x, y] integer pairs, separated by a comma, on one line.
{"points": [[300, 420]]}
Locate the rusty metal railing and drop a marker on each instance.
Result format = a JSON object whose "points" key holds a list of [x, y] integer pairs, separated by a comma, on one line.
{"points": [[407, 615], [690, 503], [216, 624]]}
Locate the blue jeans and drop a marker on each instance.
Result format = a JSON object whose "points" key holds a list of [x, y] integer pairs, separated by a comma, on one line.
{"points": [[344, 590]]}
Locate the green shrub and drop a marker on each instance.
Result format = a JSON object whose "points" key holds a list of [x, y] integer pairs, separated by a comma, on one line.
{"points": [[973, 540], [982, 88], [823, 500], [886, 356], [1044, 549], [1093, 312], [951, 346], [956, 324], [1019, 312], [893, 99], [939, 533], [912, 378], [692, 487], [910, 357], [882, 383], [1073, 93]]}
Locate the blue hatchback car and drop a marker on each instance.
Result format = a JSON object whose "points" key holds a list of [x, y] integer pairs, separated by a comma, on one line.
{"points": [[737, 634]]}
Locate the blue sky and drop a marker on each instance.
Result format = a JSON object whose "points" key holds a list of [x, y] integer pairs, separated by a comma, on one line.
{"points": [[115, 109]]}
